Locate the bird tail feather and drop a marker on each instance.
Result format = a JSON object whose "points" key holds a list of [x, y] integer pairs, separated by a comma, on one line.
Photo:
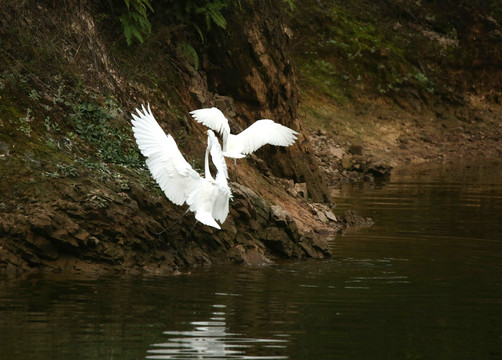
{"points": [[207, 219]]}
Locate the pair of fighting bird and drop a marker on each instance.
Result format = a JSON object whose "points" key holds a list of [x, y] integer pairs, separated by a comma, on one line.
{"points": [[206, 196]]}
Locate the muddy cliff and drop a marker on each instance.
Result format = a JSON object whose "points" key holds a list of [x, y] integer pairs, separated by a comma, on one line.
{"points": [[75, 193], [368, 87], [398, 82]]}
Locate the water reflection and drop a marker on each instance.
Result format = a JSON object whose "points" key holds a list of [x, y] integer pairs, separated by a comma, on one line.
{"points": [[423, 283], [210, 339]]}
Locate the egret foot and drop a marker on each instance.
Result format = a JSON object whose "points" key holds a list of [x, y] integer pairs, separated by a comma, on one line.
{"points": [[167, 228], [186, 238]]}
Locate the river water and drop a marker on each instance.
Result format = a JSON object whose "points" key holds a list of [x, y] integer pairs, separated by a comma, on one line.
{"points": [[425, 282]]}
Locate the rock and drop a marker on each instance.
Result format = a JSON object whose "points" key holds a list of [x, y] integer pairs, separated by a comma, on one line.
{"points": [[347, 163], [64, 240], [280, 215], [330, 216], [4, 149], [92, 241], [356, 150], [260, 164], [277, 240], [353, 219], [315, 246], [43, 247], [251, 200], [252, 257], [42, 223], [301, 190], [337, 152], [82, 236], [322, 217], [379, 170]]}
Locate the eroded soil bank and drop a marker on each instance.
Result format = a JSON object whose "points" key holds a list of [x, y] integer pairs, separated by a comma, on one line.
{"points": [[74, 191], [75, 194]]}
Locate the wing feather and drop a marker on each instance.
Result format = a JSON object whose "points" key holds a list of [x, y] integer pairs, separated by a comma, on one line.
{"points": [[213, 118], [172, 172], [220, 207], [260, 133], [201, 202]]}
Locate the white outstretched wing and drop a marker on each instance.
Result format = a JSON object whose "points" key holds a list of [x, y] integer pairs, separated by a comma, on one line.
{"points": [[172, 172], [260, 133], [213, 118]]}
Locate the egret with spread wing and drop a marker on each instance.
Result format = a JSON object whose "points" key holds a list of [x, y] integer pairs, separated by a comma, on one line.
{"points": [[206, 196], [260, 133]]}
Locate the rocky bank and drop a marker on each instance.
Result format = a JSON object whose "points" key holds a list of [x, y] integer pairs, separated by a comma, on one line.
{"points": [[75, 194]]}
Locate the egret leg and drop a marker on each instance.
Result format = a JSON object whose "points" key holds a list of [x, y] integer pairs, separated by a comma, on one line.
{"points": [[235, 170], [170, 226], [186, 238]]}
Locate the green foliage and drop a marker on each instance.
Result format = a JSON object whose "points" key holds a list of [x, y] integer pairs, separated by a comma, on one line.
{"points": [[63, 170], [93, 125], [135, 22], [291, 4], [211, 10], [24, 125], [190, 53], [352, 50], [67, 170], [424, 81], [34, 95], [192, 13]]}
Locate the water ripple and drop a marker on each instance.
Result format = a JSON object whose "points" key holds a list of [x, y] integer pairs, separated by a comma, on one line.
{"points": [[212, 340]]}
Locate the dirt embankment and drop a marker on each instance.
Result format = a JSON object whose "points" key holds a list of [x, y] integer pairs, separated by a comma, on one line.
{"points": [[399, 82], [74, 192]]}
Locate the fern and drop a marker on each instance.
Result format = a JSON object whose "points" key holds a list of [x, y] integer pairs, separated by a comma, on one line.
{"points": [[193, 13], [210, 11], [291, 4], [212, 14], [135, 22], [190, 53]]}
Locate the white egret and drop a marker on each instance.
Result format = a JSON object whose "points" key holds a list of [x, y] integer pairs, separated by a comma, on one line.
{"points": [[206, 196], [260, 133]]}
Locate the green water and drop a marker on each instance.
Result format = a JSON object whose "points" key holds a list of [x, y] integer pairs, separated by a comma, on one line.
{"points": [[425, 282]]}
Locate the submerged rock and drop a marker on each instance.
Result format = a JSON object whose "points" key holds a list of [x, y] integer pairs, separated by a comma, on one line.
{"points": [[353, 219]]}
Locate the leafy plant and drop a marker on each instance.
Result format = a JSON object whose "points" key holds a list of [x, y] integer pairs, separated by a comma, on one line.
{"points": [[50, 125], [135, 22], [24, 125], [291, 4], [67, 170], [34, 95], [190, 53], [212, 13], [93, 125]]}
